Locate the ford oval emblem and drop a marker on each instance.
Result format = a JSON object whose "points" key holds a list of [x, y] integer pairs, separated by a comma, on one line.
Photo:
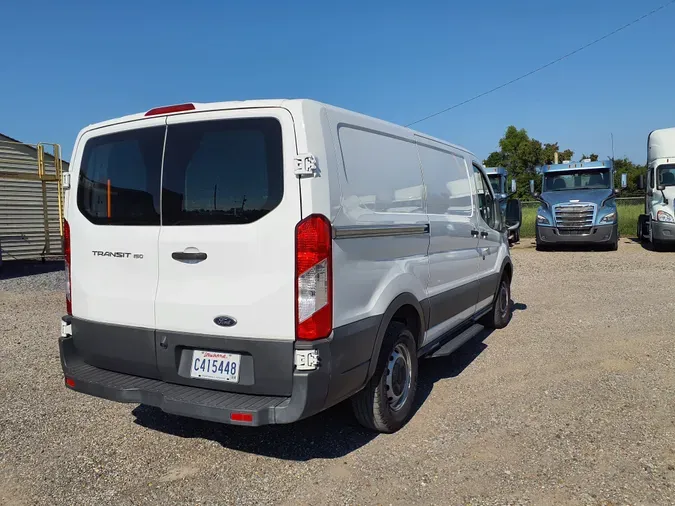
{"points": [[224, 321]]}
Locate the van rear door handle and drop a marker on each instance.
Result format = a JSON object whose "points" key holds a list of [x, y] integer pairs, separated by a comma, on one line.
{"points": [[183, 255], [474, 233]]}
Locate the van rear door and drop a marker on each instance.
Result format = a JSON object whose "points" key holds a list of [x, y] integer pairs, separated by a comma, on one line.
{"points": [[230, 204], [114, 218]]}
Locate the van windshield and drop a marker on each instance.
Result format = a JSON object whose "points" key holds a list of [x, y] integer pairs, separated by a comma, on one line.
{"points": [[577, 180], [666, 175], [215, 173]]}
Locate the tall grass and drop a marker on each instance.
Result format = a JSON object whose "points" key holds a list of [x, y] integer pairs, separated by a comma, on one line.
{"points": [[628, 216]]}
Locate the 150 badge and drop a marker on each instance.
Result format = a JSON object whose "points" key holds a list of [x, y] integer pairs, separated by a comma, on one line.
{"points": [[117, 254]]}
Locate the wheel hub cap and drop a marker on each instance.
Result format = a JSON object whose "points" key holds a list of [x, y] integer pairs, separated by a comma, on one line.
{"points": [[398, 377]]}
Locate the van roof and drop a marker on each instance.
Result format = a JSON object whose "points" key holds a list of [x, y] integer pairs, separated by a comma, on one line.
{"points": [[255, 104]]}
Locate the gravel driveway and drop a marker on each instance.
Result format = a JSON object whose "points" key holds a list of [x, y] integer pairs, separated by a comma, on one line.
{"points": [[573, 403]]}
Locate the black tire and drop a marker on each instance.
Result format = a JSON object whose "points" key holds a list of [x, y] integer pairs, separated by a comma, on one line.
{"points": [[373, 405], [658, 245], [641, 228], [540, 247], [614, 246], [501, 312]]}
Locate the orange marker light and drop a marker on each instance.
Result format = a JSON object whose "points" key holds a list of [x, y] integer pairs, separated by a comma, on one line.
{"points": [[109, 201]]}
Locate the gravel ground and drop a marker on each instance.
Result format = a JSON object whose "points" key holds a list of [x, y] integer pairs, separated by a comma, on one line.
{"points": [[572, 403]]}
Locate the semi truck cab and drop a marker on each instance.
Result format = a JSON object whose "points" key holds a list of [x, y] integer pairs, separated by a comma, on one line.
{"points": [[578, 205], [657, 224], [511, 208]]}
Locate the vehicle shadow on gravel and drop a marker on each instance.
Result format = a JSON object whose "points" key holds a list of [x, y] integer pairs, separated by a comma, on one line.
{"points": [[328, 435], [18, 268]]}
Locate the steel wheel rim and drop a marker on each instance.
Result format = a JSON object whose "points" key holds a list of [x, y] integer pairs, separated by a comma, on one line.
{"points": [[398, 377], [503, 300]]}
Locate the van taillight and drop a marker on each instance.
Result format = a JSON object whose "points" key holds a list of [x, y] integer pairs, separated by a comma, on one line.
{"points": [[66, 254], [313, 278]]}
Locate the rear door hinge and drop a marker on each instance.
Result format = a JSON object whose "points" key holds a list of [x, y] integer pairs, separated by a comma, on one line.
{"points": [[305, 165]]}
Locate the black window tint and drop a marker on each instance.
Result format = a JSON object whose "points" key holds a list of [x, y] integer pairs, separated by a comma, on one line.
{"points": [[667, 175], [119, 178], [222, 172], [486, 203]]}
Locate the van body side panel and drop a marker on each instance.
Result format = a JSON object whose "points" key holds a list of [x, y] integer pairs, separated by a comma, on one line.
{"points": [[319, 194], [381, 230], [453, 250]]}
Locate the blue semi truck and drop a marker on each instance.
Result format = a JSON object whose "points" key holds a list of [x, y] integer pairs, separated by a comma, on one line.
{"points": [[511, 208], [578, 205]]}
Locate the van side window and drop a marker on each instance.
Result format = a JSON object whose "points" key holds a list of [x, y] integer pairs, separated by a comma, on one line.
{"points": [[222, 172], [120, 178], [370, 158], [486, 202], [447, 182]]}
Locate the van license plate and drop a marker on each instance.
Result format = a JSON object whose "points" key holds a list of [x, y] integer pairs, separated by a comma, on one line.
{"points": [[215, 366]]}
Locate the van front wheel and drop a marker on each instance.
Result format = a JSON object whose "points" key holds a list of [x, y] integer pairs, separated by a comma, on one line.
{"points": [[386, 403], [500, 315]]}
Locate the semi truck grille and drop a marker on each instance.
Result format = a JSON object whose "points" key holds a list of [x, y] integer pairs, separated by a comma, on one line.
{"points": [[574, 216], [574, 231]]}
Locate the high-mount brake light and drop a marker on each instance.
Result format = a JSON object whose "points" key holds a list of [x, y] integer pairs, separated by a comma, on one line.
{"points": [[168, 109], [313, 278]]}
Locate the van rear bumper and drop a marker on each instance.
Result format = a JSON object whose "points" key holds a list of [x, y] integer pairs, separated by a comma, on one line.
{"points": [[313, 391]]}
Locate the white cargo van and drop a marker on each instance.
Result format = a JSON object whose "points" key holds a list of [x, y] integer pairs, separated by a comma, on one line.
{"points": [[258, 262], [657, 224]]}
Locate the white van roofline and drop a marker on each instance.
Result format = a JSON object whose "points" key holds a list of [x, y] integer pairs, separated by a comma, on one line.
{"points": [[290, 104]]}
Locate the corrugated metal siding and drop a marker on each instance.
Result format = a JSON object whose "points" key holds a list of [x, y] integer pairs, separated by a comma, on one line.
{"points": [[21, 205]]}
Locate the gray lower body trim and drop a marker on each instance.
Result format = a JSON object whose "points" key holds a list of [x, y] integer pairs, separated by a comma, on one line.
{"points": [[118, 348], [450, 303], [664, 232], [345, 360]]}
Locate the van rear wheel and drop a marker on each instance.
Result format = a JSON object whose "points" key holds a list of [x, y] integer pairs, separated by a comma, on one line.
{"points": [[386, 402]]}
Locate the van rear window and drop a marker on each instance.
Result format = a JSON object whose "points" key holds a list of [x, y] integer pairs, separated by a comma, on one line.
{"points": [[222, 172], [215, 172], [120, 177]]}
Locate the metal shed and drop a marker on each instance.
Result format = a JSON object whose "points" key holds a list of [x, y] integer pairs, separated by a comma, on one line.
{"points": [[31, 200]]}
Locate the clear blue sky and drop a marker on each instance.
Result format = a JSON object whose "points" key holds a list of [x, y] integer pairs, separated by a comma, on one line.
{"points": [[69, 64]]}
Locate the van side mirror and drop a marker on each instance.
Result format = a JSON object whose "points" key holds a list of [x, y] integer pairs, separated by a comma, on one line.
{"points": [[624, 180], [661, 187], [513, 186], [641, 182], [532, 186]]}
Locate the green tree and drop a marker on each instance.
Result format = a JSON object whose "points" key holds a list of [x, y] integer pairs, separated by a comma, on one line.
{"points": [[592, 156], [568, 154], [521, 154], [625, 166]]}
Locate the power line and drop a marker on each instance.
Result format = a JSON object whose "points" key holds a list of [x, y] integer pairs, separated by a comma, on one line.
{"points": [[553, 62]]}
